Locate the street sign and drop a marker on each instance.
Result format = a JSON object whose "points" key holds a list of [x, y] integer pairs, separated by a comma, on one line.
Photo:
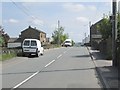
{"points": [[96, 36]]}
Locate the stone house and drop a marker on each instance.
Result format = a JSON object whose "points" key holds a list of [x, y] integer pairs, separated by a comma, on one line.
{"points": [[95, 35], [97, 41], [33, 33]]}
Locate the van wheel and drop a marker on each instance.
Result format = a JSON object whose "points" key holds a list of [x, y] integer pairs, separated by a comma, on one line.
{"points": [[41, 54], [23, 54], [37, 53]]}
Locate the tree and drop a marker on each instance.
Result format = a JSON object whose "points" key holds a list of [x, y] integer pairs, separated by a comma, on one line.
{"points": [[58, 36], [105, 28], [2, 42], [118, 27], [4, 37], [64, 37]]}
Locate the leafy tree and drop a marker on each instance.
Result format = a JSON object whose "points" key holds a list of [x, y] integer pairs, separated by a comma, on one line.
{"points": [[64, 37], [2, 42], [4, 37], [58, 36], [105, 28], [118, 27]]}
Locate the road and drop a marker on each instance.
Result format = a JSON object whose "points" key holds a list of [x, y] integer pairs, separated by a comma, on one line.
{"points": [[69, 67]]}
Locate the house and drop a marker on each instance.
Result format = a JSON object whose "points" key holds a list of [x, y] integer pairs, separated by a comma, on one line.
{"points": [[95, 35], [34, 34], [14, 43]]}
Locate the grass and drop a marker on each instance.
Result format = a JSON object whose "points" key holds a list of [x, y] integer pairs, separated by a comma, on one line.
{"points": [[7, 56]]}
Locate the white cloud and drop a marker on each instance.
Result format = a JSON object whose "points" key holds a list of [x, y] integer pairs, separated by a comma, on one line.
{"points": [[93, 8], [82, 19], [74, 7], [12, 21]]}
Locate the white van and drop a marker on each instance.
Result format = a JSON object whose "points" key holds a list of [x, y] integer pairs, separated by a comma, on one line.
{"points": [[68, 42], [32, 46]]}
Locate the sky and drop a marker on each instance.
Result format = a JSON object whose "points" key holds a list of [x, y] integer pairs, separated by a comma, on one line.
{"points": [[74, 16]]}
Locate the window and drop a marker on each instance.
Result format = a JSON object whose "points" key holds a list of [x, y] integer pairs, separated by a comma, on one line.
{"points": [[33, 43], [26, 43], [67, 42]]}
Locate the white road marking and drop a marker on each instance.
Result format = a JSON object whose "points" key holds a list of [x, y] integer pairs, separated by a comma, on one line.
{"points": [[59, 56], [50, 63], [25, 80], [18, 85]]}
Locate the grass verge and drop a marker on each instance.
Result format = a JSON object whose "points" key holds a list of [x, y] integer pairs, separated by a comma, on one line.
{"points": [[7, 56]]}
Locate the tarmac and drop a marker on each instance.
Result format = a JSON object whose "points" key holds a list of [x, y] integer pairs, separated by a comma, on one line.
{"points": [[107, 73]]}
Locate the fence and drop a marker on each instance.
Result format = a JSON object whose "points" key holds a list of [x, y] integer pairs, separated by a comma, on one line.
{"points": [[5, 50]]}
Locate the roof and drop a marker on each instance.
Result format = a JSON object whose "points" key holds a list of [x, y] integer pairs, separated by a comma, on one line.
{"points": [[12, 40], [31, 39], [33, 29], [97, 22]]}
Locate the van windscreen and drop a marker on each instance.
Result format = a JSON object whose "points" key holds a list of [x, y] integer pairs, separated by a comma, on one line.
{"points": [[27, 43], [33, 43], [67, 41]]}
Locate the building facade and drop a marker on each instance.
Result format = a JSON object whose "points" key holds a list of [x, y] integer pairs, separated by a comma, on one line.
{"points": [[33, 33], [95, 35]]}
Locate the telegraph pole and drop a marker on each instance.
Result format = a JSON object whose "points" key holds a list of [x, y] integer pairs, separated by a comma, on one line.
{"points": [[114, 32], [85, 39], [58, 32]]}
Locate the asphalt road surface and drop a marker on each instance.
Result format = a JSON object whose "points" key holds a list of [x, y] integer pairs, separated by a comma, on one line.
{"points": [[69, 67]]}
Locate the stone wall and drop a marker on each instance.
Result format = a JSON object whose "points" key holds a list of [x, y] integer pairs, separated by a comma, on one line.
{"points": [[105, 47]]}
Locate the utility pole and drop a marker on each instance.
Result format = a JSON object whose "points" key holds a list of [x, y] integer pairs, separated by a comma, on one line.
{"points": [[114, 32], [85, 39], [90, 33], [58, 32]]}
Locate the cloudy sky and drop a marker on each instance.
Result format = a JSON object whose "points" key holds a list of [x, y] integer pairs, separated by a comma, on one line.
{"points": [[74, 16]]}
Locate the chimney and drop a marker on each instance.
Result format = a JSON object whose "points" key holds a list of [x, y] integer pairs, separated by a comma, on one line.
{"points": [[29, 26]]}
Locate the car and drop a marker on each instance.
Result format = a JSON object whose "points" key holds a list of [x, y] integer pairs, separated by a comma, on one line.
{"points": [[32, 46]]}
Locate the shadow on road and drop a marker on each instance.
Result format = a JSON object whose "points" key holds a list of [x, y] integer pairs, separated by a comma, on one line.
{"points": [[81, 56], [48, 71], [29, 56]]}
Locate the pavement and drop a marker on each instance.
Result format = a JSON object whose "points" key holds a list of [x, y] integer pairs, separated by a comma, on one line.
{"points": [[107, 73]]}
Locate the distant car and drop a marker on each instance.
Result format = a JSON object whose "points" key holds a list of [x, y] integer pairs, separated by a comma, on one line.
{"points": [[32, 46], [67, 42]]}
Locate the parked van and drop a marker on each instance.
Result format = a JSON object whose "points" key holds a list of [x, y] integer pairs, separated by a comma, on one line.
{"points": [[32, 46]]}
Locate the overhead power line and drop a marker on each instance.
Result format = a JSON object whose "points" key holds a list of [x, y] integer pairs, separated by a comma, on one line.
{"points": [[26, 11]]}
